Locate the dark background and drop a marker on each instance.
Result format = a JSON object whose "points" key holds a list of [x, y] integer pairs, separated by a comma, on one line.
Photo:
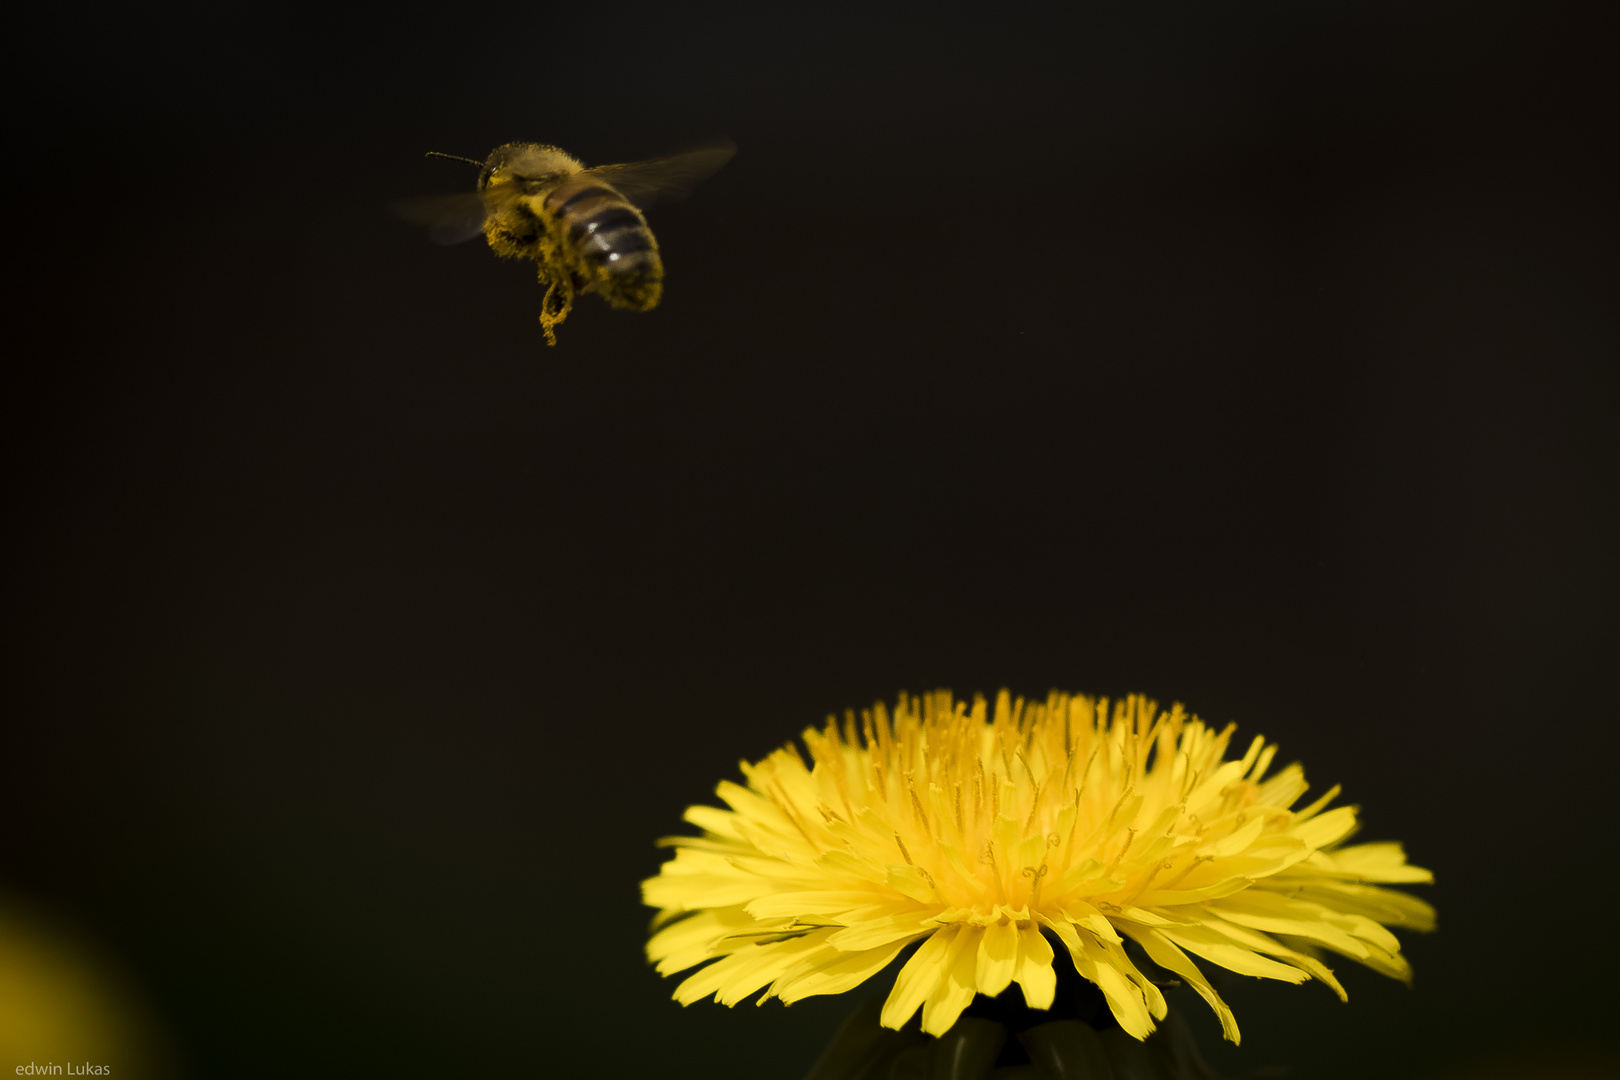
{"points": [[1256, 356]]}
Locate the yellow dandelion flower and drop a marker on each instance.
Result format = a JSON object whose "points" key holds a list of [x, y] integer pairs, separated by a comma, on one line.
{"points": [[980, 836]]}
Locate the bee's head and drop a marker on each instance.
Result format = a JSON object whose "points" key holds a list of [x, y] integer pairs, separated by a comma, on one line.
{"points": [[527, 161]]}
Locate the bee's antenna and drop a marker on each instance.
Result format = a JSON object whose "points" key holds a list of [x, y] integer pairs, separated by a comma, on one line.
{"points": [[454, 157]]}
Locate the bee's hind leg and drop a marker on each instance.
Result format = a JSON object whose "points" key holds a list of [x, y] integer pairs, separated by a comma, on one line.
{"points": [[558, 303]]}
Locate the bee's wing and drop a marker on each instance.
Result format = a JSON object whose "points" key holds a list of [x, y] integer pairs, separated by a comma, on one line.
{"points": [[645, 182], [450, 218]]}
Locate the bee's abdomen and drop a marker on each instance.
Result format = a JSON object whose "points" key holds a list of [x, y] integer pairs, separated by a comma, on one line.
{"points": [[611, 237], [609, 241], [610, 234]]}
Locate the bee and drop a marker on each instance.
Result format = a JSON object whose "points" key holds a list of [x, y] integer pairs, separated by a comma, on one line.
{"points": [[583, 227]]}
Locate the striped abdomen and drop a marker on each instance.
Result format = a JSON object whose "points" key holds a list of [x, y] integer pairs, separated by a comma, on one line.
{"points": [[610, 241]]}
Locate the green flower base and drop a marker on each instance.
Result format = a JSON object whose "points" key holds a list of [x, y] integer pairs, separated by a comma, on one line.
{"points": [[1003, 1039]]}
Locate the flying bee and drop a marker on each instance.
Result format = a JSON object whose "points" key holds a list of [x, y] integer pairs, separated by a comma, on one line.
{"points": [[584, 227]]}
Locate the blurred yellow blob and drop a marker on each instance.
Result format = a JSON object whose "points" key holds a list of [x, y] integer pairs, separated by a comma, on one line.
{"points": [[65, 1011]]}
